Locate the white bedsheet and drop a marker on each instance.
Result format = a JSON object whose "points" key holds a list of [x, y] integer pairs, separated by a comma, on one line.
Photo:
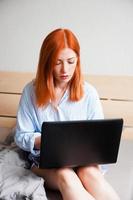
{"points": [[16, 181]]}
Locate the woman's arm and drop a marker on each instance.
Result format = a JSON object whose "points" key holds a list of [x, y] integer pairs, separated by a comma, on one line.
{"points": [[27, 128], [95, 110]]}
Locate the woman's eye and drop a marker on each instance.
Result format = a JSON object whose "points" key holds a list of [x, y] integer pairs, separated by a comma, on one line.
{"points": [[58, 62], [71, 62]]}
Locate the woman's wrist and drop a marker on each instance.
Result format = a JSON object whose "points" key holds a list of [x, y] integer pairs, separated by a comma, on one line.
{"points": [[37, 143]]}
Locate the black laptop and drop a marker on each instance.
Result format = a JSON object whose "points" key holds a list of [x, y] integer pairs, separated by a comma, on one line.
{"points": [[80, 143]]}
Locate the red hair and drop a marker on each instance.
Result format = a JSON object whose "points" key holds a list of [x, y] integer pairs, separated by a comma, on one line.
{"points": [[44, 82]]}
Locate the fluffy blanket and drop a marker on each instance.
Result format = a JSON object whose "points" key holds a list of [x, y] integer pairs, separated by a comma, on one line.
{"points": [[17, 182]]}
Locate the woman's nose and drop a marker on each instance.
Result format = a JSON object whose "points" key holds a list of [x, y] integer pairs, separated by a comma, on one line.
{"points": [[64, 67]]}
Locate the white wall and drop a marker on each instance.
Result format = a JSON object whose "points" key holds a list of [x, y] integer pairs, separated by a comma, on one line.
{"points": [[104, 29]]}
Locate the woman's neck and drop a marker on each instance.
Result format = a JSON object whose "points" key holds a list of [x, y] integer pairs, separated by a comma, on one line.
{"points": [[59, 92], [61, 86]]}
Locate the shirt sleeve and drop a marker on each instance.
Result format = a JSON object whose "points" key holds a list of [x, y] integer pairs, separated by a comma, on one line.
{"points": [[95, 110], [26, 130]]}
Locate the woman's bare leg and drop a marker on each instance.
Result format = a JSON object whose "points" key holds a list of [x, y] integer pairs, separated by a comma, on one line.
{"points": [[65, 180], [95, 183]]}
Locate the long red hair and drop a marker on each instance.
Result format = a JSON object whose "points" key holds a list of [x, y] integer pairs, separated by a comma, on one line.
{"points": [[44, 81]]}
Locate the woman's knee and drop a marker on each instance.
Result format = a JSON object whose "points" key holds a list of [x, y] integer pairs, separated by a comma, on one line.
{"points": [[57, 178], [67, 178], [65, 175], [90, 173]]}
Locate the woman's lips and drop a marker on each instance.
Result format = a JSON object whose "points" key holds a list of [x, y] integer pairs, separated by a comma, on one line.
{"points": [[64, 77]]}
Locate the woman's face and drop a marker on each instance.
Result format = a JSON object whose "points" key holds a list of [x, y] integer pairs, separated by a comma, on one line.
{"points": [[65, 66]]}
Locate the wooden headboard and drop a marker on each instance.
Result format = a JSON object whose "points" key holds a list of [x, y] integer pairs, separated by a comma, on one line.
{"points": [[115, 93]]}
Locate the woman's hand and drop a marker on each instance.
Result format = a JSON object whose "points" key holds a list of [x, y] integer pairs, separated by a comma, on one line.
{"points": [[37, 143]]}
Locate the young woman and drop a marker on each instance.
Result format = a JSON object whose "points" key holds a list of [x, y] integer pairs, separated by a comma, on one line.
{"points": [[59, 93]]}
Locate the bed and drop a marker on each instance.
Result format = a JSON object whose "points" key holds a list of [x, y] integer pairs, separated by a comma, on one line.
{"points": [[17, 181]]}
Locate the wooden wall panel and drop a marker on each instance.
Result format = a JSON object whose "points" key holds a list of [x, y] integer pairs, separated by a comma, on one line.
{"points": [[116, 90], [9, 104], [119, 109]]}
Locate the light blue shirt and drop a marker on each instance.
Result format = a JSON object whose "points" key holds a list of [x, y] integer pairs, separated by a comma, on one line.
{"points": [[30, 117]]}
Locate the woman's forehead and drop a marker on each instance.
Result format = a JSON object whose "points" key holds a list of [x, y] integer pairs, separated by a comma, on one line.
{"points": [[66, 53]]}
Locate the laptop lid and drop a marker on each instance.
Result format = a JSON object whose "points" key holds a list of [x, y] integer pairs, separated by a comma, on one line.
{"points": [[80, 143]]}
